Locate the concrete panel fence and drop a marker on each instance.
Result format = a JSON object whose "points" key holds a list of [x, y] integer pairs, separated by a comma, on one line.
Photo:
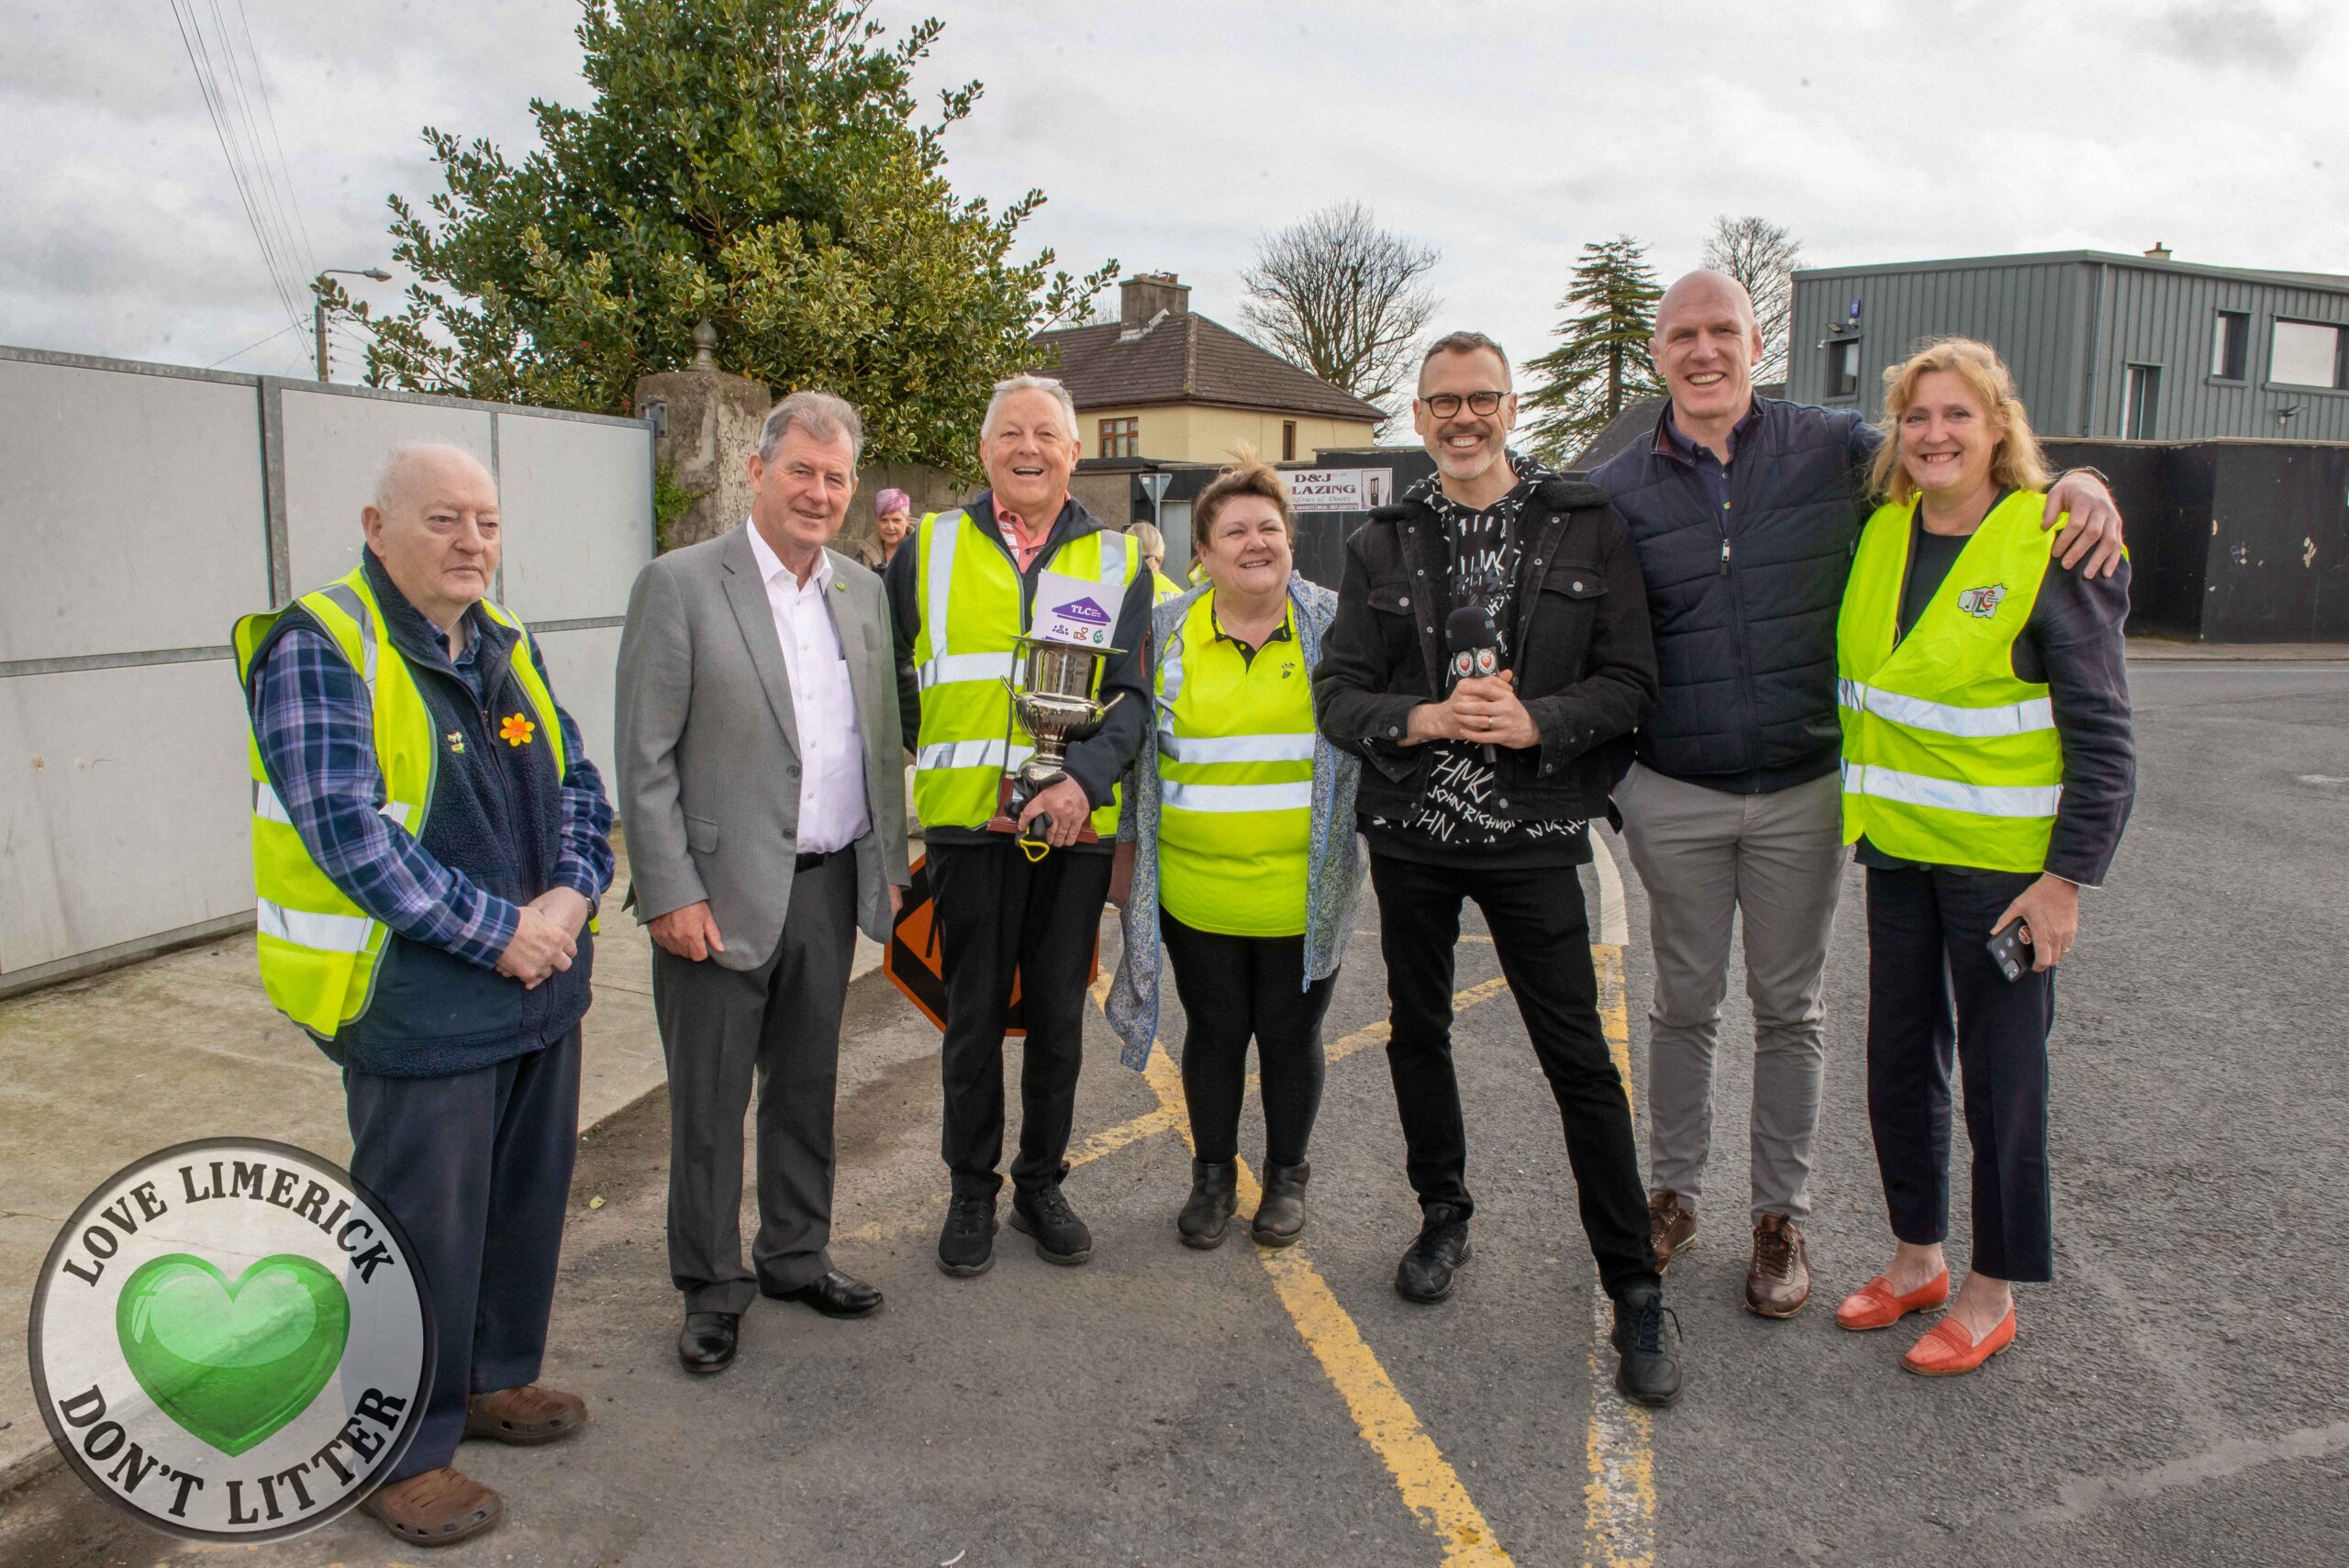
{"points": [[143, 508]]}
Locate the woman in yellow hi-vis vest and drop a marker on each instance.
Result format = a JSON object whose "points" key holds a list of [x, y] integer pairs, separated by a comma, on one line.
{"points": [[1246, 864], [1989, 768]]}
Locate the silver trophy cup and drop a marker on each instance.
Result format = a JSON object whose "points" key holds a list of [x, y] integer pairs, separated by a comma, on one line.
{"points": [[1052, 694]]}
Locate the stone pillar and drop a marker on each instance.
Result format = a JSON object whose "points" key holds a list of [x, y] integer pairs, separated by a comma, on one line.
{"points": [[709, 427]]}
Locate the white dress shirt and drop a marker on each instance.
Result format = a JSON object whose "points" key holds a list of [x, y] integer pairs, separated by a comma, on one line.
{"points": [[832, 813]]}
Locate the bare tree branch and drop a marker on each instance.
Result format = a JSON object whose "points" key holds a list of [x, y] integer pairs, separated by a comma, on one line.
{"points": [[1762, 256], [1337, 296]]}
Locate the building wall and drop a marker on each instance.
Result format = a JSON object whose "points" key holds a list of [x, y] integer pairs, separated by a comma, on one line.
{"points": [[2070, 330], [1191, 433]]}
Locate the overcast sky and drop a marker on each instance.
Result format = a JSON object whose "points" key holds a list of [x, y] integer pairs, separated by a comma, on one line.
{"points": [[1169, 135]]}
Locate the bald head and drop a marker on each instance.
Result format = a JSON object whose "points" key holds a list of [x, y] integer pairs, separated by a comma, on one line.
{"points": [[1706, 345], [434, 525]]}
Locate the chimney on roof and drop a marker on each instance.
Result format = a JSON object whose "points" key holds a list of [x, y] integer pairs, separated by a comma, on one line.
{"points": [[2160, 252], [1144, 296]]}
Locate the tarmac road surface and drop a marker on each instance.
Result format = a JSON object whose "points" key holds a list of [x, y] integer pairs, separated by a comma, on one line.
{"points": [[2176, 1396]]}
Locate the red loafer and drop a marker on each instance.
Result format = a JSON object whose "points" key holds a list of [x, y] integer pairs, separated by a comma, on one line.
{"points": [[1947, 1347], [1874, 1305]]}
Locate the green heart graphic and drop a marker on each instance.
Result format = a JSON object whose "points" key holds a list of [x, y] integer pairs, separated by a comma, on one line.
{"points": [[232, 1363]]}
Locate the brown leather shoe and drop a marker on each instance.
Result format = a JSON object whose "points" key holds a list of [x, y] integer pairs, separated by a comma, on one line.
{"points": [[439, 1507], [1777, 1282], [1671, 1229], [526, 1415]]}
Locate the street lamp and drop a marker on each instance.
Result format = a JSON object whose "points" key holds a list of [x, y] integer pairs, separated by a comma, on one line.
{"points": [[319, 305]]}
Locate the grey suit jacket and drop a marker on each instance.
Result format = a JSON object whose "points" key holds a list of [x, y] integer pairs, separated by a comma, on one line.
{"points": [[708, 745]]}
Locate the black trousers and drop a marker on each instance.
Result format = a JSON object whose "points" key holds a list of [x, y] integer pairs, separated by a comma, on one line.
{"points": [[476, 1168], [999, 914], [1926, 957], [777, 1028], [1234, 988], [1543, 938]]}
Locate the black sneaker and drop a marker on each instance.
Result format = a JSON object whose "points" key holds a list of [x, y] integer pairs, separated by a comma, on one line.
{"points": [[1427, 1271], [1043, 1213], [1649, 1372], [967, 1246]]}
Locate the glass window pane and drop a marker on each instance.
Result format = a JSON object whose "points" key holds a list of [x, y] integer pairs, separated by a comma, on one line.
{"points": [[2304, 353]]}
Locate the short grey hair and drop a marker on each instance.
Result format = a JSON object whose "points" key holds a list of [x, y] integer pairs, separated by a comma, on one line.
{"points": [[1466, 343], [1011, 385], [821, 415]]}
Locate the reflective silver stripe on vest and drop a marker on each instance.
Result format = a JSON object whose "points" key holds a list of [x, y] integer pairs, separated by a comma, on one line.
{"points": [[269, 809], [1179, 795], [325, 933], [1234, 748], [1113, 558], [970, 754], [1948, 795], [951, 668], [1945, 719], [946, 536], [356, 608]]}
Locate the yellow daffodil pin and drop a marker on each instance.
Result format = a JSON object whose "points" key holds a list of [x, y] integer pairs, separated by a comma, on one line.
{"points": [[516, 730]]}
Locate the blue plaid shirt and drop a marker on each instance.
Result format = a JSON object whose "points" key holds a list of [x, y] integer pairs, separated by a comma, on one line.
{"points": [[317, 730]]}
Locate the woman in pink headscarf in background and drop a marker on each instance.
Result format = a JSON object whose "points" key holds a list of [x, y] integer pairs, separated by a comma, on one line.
{"points": [[893, 519]]}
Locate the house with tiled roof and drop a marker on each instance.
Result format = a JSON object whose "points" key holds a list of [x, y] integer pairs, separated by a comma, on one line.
{"points": [[1161, 383]]}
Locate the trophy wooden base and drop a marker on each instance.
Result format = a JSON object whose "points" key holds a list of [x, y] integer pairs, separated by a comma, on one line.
{"points": [[1006, 820]]}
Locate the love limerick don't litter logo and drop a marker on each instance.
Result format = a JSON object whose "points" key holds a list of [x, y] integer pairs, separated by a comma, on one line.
{"points": [[230, 1340]]}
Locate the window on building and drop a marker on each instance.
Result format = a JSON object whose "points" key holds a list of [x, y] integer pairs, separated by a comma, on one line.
{"points": [[1121, 437], [2141, 403], [1288, 440], [1843, 368], [2231, 345], [2308, 353]]}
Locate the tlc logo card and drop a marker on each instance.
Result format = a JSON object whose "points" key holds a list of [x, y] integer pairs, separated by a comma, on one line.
{"points": [[1071, 609]]}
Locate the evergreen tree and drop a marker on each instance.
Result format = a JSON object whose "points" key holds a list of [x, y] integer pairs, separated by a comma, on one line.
{"points": [[760, 163], [1602, 361]]}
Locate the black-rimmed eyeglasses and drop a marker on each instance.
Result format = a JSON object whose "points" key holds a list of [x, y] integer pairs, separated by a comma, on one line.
{"points": [[1444, 405]]}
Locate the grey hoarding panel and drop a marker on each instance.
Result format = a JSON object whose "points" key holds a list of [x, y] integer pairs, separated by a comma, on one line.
{"points": [[131, 810], [578, 506], [579, 668], [132, 514], [334, 444]]}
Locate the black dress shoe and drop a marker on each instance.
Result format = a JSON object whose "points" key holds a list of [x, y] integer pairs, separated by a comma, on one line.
{"points": [[1209, 1213], [834, 1295], [707, 1341], [1649, 1372], [1427, 1272]]}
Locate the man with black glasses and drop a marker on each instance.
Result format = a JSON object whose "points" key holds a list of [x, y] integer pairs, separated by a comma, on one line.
{"points": [[1482, 786]]}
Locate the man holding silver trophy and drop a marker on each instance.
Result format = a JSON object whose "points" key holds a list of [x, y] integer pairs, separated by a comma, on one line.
{"points": [[1019, 622]]}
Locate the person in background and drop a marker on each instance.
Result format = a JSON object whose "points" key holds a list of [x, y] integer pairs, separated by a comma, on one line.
{"points": [[893, 519], [1744, 510], [1482, 786], [1153, 545], [1247, 863], [1989, 770], [429, 844]]}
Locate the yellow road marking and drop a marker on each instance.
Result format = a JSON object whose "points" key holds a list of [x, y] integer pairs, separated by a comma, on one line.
{"points": [[1430, 1487], [1619, 1498]]}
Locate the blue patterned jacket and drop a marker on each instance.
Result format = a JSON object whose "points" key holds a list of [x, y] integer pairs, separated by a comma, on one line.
{"points": [[1334, 864]]}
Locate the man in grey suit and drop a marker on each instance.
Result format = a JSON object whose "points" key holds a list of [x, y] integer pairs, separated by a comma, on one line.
{"points": [[761, 769]]}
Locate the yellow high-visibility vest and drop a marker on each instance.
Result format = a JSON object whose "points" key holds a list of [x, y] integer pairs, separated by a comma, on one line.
{"points": [[971, 610], [1235, 780], [1949, 757], [319, 952]]}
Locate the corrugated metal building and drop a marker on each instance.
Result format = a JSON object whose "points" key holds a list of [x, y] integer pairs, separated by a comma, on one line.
{"points": [[2131, 348]]}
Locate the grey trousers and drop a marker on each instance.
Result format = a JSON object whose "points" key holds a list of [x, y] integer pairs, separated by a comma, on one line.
{"points": [[779, 1025], [1704, 856]]}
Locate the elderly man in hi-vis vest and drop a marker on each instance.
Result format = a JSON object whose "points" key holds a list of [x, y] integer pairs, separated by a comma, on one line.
{"points": [[429, 841]]}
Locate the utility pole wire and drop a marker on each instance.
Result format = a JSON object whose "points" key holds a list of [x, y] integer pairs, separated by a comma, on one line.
{"points": [[269, 111], [207, 85]]}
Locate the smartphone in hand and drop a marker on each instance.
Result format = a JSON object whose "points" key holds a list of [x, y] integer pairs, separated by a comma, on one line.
{"points": [[2009, 950]]}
